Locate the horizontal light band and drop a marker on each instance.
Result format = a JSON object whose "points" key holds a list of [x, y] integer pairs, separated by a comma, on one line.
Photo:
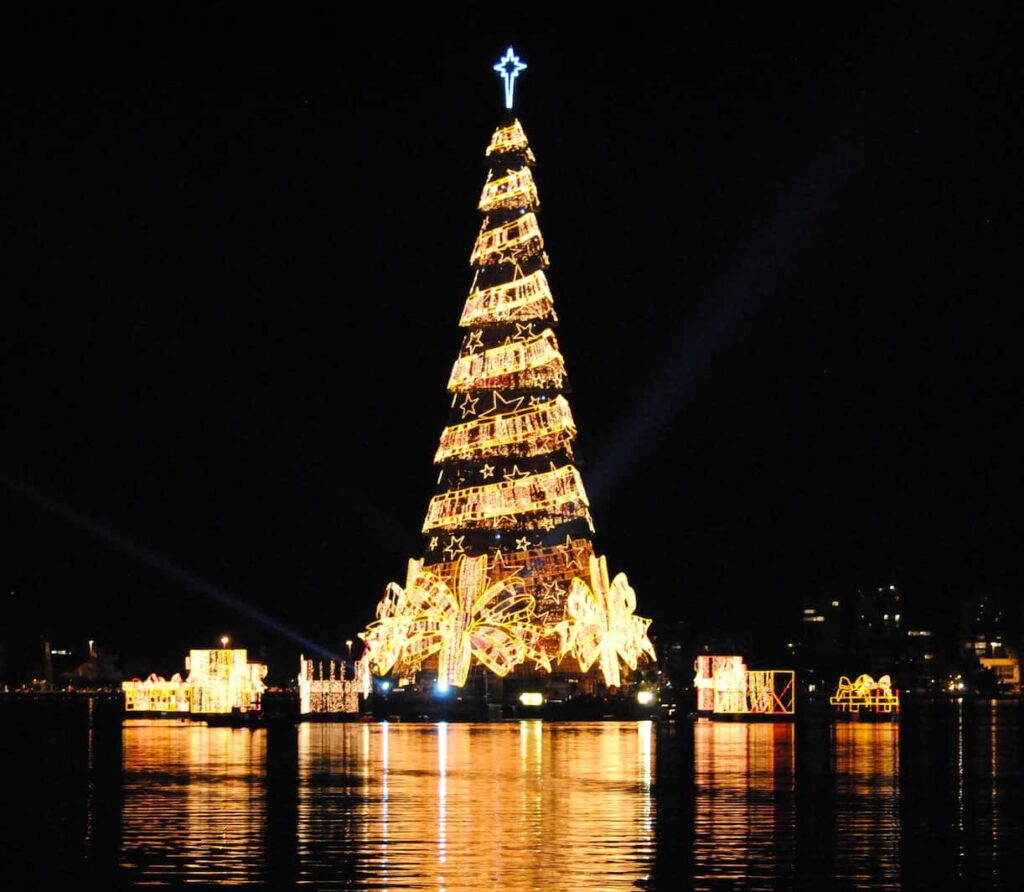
{"points": [[525, 298], [510, 139], [524, 432], [514, 190], [559, 493], [509, 364], [494, 245]]}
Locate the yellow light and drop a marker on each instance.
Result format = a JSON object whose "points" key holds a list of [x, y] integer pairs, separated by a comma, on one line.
{"points": [[491, 624], [224, 640], [532, 362], [514, 190], [645, 698], [533, 430], [528, 297], [509, 139], [531, 698], [518, 238], [865, 692], [601, 626], [557, 493]]}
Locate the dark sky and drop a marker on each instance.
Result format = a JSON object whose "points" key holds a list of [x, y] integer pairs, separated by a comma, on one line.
{"points": [[785, 253]]}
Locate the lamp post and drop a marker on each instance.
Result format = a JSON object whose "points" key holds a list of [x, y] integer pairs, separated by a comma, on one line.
{"points": [[224, 639], [348, 644]]}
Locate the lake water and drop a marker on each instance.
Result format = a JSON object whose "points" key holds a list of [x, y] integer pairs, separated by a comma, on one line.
{"points": [[932, 801]]}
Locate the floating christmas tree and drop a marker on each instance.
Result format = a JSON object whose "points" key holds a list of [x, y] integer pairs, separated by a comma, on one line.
{"points": [[509, 576]]}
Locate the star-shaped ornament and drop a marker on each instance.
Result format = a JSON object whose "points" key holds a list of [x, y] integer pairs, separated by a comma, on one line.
{"points": [[474, 342], [515, 473], [433, 543], [455, 547], [522, 543], [524, 331], [487, 471], [468, 405], [500, 405]]}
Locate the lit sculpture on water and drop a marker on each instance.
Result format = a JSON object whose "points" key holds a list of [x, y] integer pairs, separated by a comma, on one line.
{"points": [[323, 696], [220, 681], [508, 577], [725, 686], [866, 693]]}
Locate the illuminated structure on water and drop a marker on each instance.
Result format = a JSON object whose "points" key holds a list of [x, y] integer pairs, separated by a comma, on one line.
{"points": [[866, 693], [220, 681], [509, 577], [725, 686], [333, 694]]}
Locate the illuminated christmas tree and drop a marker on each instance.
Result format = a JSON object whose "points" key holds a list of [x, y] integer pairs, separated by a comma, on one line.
{"points": [[508, 577]]}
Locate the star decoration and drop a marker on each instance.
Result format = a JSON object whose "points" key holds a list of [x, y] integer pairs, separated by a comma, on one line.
{"points": [[468, 406], [501, 568], [487, 471], [455, 547], [515, 473], [501, 405], [473, 342], [433, 542], [546, 523], [524, 331], [506, 521], [568, 551], [509, 66], [522, 543], [534, 400]]}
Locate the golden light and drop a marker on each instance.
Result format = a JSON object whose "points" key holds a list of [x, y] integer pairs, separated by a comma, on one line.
{"points": [[530, 499], [531, 698], [530, 363], [865, 693], [333, 694], [528, 297], [224, 640], [219, 681], [489, 604], [645, 697], [725, 686], [601, 626]]}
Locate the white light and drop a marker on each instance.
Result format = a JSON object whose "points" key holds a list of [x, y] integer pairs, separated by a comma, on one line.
{"points": [[385, 685], [531, 698], [509, 67], [645, 698], [441, 687]]}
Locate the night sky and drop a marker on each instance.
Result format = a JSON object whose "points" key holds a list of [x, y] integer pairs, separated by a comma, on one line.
{"points": [[785, 254]]}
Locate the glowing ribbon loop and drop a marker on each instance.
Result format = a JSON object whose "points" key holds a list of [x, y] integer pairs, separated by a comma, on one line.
{"points": [[534, 430], [385, 638], [520, 236], [601, 626], [525, 298], [487, 623]]}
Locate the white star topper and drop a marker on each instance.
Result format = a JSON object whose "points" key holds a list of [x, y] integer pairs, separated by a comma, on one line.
{"points": [[509, 68]]}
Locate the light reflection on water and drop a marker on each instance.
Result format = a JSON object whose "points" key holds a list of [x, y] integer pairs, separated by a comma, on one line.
{"points": [[557, 806], [193, 802], [512, 806], [744, 812]]}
